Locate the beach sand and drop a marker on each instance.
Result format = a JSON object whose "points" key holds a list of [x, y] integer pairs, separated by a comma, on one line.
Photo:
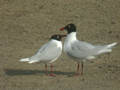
{"points": [[25, 25]]}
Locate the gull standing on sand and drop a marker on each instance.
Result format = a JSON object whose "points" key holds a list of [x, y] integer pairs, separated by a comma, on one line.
{"points": [[80, 50], [48, 53]]}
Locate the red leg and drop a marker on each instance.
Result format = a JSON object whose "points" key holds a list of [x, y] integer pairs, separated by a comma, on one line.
{"points": [[79, 69], [51, 71], [46, 69], [81, 72]]}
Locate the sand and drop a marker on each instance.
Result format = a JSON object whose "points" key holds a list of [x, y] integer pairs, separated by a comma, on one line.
{"points": [[25, 25]]}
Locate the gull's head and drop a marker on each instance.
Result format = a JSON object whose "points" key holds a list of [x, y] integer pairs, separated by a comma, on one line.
{"points": [[69, 28], [57, 37]]}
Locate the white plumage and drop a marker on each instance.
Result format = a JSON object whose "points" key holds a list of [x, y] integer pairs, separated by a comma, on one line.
{"points": [[47, 53], [80, 50]]}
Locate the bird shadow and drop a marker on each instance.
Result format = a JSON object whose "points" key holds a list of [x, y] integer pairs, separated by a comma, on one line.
{"points": [[15, 72]]}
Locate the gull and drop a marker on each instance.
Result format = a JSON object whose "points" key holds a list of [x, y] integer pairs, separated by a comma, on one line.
{"points": [[81, 51], [48, 53]]}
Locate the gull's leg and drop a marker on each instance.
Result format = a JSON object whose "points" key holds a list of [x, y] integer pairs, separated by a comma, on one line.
{"points": [[51, 71], [81, 71], [46, 70], [78, 67]]}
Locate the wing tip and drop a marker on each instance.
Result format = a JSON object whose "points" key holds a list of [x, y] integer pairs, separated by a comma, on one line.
{"points": [[112, 45], [24, 60]]}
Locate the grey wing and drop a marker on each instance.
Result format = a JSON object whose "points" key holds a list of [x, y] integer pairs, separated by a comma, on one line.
{"points": [[48, 52], [83, 45], [37, 55], [42, 48], [51, 52], [81, 49]]}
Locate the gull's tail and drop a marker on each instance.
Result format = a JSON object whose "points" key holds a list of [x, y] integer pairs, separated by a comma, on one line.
{"points": [[111, 45], [28, 60], [107, 48], [24, 60]]}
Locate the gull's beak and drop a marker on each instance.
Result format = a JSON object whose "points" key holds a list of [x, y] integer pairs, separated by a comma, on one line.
{"points": [[61, 29]]}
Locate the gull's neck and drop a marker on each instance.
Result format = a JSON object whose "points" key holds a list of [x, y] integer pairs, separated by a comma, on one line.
{"points": [[71, 36], [57, 42]]}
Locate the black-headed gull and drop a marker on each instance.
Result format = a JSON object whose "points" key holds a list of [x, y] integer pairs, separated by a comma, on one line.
{"points": [[80, 50], [48, 53]]}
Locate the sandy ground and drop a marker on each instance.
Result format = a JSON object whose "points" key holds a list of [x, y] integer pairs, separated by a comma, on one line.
{"points": [[25, 25]]}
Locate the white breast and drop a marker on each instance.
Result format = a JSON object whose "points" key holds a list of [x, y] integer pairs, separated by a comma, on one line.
{"points": [[58, 43], [69, 40]]}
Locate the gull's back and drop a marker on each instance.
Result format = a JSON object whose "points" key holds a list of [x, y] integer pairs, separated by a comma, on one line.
{"points": [[84, 50], [47, 52]]}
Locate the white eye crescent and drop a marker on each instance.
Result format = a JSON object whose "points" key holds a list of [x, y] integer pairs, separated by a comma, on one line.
{"points": [[69, 26], [57, 36]]}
